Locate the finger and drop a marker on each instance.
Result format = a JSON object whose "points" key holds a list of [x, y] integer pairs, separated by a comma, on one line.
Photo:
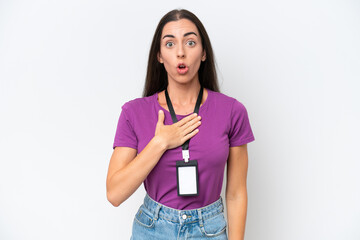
{"points": [[186, 119], [190, 135], [191, 122], [160, 118], [191, 127]]}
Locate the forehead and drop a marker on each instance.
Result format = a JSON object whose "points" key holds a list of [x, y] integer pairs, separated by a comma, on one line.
{"points": [[179, 27]]}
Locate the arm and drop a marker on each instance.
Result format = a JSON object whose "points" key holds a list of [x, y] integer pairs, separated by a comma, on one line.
{"points": [[127, 170], [236, 192]]}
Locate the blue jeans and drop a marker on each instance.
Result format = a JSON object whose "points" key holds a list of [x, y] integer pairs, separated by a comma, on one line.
{"points": [[154, 221]]}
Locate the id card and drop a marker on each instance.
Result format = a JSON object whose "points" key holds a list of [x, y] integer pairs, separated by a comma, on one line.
{"points": [[187, 178]]}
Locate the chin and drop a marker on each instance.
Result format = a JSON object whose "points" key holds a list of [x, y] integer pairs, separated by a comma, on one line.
{"points": [[183, 79]]}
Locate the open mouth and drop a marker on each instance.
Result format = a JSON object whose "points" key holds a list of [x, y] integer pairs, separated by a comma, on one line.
{"points": [[182, 68]]}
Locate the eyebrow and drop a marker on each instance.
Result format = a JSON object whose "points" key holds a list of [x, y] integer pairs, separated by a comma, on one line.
{"points": [[186, 34]]}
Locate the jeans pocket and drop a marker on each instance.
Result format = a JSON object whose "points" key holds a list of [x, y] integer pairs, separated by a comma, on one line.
{"points": [[144, 218], [214, 226]]}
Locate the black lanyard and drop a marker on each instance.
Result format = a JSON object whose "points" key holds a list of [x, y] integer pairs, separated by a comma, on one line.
{"points": [[185, 146]]}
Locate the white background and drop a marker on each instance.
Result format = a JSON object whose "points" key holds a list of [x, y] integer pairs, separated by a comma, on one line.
{"points": [[66, 68]]}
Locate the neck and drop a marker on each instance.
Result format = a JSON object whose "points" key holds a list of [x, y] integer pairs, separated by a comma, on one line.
{"points": [[183, 94]]}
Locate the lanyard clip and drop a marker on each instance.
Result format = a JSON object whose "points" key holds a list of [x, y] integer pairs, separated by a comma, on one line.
{"points": [[186, 155]]}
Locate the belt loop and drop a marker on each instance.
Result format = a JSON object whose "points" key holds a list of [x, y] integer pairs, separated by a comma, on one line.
{"points": [[158, 206], [221, 204], [200, 218]]}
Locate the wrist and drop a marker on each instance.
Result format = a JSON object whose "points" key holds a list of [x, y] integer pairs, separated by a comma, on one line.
{"points": [[159, 143]]}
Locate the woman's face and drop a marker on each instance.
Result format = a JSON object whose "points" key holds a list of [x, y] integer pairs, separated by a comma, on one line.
{"points": [[181, 51]]}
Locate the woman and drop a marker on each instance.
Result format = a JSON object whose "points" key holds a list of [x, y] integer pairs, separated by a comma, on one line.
{"points": [[182, 179]]}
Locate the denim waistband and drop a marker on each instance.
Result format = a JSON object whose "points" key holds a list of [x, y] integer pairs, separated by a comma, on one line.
{"points": [[183, 216]]}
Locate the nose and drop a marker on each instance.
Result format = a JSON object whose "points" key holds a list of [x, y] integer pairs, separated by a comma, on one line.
{"points": [[180, 52]]}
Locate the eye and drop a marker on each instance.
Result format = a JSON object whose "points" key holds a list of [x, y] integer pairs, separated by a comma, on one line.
{"points": [[169, 44], [191, 43]]}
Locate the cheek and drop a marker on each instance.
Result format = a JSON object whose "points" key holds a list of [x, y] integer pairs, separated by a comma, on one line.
{"points": [[167, 64], [166, 59], [167, 67], [197, 58], [166, 56]]}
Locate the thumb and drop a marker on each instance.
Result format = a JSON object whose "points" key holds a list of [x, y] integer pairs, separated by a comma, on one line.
{"points": [[161, 117]]}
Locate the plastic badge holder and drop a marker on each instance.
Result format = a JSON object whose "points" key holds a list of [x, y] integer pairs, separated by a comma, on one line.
{"points": [[187, 178]]}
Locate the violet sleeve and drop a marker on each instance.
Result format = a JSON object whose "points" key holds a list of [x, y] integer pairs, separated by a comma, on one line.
{"points": [[240, 130], [125, 135]]}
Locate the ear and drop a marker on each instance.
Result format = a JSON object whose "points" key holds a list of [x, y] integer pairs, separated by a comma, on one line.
{"points": [[203, 58], [159, 58]]}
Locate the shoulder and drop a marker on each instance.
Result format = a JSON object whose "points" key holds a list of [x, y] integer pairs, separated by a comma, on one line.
{"points": [[137, 107], [225, 101], [138, 103]]}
